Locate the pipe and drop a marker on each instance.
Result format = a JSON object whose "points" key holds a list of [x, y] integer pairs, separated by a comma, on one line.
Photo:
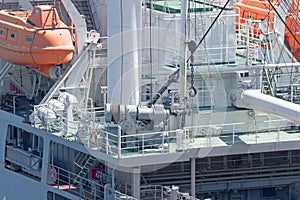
{"points": [[182, 75], [136, 182], [256, 100], [123, 68]]}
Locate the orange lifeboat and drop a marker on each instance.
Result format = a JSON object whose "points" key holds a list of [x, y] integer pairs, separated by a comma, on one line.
{"points": [[262, 9], [36, 39]]}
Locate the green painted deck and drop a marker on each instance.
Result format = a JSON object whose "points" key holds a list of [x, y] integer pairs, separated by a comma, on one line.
{"points": [[173, 6]]}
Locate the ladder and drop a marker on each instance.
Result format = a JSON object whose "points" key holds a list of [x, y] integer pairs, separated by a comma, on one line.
{"points": [[266, 82], [91, 161], [201, 31]]}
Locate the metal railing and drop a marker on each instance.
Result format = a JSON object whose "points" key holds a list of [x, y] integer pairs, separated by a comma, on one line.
{"points": [[86, 188], [158, 192], [250, 37], [204, 136], [233, 174], [119, 144]]}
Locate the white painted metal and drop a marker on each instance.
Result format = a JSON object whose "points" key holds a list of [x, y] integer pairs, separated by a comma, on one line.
{"points": [[69, 126], [279, 55], [187, 148], [254, 99], [74, 79], [174, 191], [67, 98], [193, 177], [136, 179], [57, 106], [123, 76], [183, 31], [46, 115], [216, 49], [78, 22], [279, 26]]}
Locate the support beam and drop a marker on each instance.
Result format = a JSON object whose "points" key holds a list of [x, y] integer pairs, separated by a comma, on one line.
{"points": [[193, 177], [78, 23], [135, 182], [182, 75], [46, 159]]}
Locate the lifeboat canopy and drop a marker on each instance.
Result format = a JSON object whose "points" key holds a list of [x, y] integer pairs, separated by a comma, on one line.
{"points": [[36, 39]]}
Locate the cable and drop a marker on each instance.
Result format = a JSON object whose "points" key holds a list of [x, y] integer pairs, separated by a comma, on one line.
{"points": [[223, 8]]}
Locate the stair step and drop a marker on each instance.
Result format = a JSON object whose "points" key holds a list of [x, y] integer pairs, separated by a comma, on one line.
{"points": [[85, 169], [84, 9]]}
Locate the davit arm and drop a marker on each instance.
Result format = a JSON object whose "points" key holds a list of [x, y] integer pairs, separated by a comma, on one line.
{"points": [[254, 99]]}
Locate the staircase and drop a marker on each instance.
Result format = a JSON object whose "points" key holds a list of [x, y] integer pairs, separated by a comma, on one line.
{"points": [[201, 31], [90, 162], [266, 82], [5, 69], [83, 6]]}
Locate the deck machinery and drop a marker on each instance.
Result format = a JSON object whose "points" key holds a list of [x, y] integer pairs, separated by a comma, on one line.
{"points": [[175, 102]]}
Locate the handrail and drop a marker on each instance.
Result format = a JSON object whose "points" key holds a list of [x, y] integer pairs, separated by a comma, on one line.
{"points": [[86, 186], [163, 192], [94, 12], [230, 175]]}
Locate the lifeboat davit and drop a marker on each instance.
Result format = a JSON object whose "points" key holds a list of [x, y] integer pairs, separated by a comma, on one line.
{"points": [[37, 39]]}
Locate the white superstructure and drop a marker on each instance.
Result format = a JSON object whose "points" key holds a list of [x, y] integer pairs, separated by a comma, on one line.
{"points": [[116, 124]]}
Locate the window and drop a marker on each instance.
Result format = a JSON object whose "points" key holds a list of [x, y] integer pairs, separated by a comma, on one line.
{"points": [[36, 12], [12, 35], [29, 39], [1, 32]]}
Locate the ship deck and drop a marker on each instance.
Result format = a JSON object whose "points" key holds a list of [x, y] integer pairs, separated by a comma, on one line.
{"points": [[168, 146]]}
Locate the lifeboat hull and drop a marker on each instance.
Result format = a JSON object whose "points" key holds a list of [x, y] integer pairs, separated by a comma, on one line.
{"points": [[25, 44]]}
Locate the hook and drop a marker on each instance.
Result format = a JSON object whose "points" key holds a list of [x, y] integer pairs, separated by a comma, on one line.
{"points": [[192, 92]]}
